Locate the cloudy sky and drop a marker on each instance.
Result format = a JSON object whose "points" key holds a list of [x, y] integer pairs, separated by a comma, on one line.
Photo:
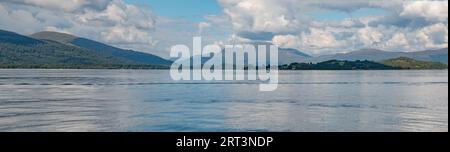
{"points": [[315, 27]]}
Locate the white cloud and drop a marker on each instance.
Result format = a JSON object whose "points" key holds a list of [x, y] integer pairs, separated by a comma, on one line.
{"points": [[369, 36], [18, 20], [429, 10], [126, 35], [434, 36], [315, 41], [399, 40], [66, 5], [265, 16], [404, 25], [286, 41], [118, 13]]}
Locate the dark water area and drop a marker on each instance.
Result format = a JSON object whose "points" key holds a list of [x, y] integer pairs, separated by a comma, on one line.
{"points": [[148, 100]]}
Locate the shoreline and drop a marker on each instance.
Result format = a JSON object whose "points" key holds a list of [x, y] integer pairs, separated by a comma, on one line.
{"points": [[239, 70]]}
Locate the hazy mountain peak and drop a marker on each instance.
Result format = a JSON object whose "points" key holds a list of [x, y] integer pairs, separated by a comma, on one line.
{"points": [[366, 50], [54, 36], [439, 55], [295, 52]]}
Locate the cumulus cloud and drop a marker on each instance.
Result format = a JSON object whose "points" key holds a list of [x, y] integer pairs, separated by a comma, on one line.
{"points": [[434, 36], [288, 41], [315, 41], [369, 36], [399, 40], [67, 5], [429, 10], [404, 25], [17, 20], [261, 19]]}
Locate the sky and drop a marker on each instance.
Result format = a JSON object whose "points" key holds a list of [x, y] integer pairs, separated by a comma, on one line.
{"points": [[315, 27], [193, 10]]}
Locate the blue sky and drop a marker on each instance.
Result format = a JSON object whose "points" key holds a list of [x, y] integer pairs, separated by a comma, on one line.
{"points": [[193, 10]]}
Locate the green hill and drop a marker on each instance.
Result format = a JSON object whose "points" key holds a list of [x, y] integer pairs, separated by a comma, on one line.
{"points": [[18, 51], [140, 57], [408, 63]]}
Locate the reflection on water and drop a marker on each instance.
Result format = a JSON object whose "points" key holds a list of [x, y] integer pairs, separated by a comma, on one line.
{"points": [[147, 100]]}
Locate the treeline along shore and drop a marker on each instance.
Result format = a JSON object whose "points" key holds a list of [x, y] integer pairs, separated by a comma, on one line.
{"points": [[391, 64]]}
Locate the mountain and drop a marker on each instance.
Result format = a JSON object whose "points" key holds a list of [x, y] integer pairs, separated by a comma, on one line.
{"points": [[364, 54], [19, 51], [139, 57], [13, 38], [285, 56], [408, 63], [440, 55]]}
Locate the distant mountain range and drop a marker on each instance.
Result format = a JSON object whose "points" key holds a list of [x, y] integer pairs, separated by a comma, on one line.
{"points": [[58, 50], [440, 55], [288, 56], [285, 56]]}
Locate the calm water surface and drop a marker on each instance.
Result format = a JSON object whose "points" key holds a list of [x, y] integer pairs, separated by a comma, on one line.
{"points": [[148, 100]]}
